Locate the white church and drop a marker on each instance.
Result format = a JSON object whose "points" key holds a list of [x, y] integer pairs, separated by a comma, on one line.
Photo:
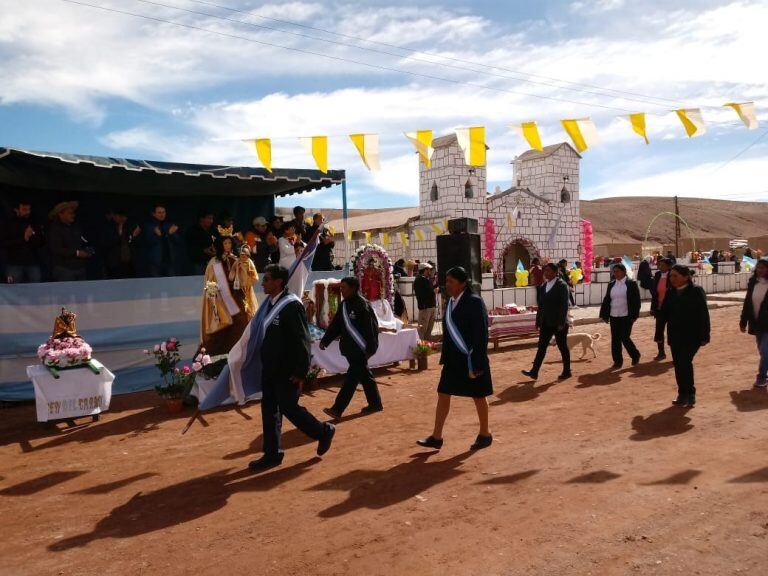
{"points": [[537, 216]]}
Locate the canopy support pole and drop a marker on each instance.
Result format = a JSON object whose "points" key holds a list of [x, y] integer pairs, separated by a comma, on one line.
{"points": [[345, 215]]}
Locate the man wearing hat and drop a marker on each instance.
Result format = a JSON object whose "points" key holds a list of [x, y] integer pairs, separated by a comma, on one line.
{"points": [[66, 245], [425, 300], [256, 238]]}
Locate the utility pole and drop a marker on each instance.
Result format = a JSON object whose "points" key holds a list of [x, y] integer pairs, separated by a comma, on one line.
{"points": [[677, 229]]}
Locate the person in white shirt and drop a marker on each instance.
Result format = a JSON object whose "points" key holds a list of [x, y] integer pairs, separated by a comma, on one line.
{"points": [[620, 309], [754, 317]]}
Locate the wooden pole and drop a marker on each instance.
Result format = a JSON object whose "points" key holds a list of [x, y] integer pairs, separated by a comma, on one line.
{"points": [[677, 229]]}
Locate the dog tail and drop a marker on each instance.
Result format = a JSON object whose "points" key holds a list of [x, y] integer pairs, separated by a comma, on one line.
{"points": [[596, 336]]}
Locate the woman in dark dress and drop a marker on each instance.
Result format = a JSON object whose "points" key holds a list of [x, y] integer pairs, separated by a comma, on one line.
{"points": [[688, 328], [466, 369]]}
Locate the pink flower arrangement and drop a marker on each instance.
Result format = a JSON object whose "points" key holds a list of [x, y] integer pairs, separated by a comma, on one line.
{"points": [[64, 352]]}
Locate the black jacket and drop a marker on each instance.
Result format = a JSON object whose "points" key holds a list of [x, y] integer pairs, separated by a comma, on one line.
{"points": [[553, 305], [633, 301], [644, 276], [63, 244], [20, 252], [471, 320], [285, 350], [687, 316], [755, 324], [425, 293], [323, 260], [198, 240], [364, 319]]}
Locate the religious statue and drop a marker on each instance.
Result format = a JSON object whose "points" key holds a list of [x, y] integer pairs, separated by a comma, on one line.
{"points": [[229, 301], [64, 325], [371, 284]]}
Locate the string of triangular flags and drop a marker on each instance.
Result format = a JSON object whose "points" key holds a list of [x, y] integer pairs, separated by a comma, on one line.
{"points": [[387, 238], [581, 131]]}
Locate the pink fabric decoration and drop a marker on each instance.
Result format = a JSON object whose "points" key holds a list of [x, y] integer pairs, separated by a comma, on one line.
{"points": [[588, 247], [490, 239]]}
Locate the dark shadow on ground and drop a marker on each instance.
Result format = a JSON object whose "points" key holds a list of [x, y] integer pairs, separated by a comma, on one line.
{"points": [[182, 502], [39, 484], [649, 369], [671, 421], [750, 400], [678, 479], [117, 484], [604, 378], [760, 475], [377, 489], [522, 392], [596, 477], [509, 478]]}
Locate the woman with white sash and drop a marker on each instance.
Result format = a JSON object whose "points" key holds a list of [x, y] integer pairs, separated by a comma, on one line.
{"points": [[229, 301], [466, 369]]}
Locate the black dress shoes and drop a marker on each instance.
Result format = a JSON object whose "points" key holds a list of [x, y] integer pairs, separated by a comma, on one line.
{"points": [[691, 401], [481, 442], [531, 374], [431, 442], [565, 376], [265, 463], [636, 360], [371, 409], [617, 366], [324, 444], [332, 413], [680, 401]]}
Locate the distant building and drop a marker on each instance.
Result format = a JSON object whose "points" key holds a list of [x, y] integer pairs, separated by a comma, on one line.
{"points": [[538, 216]]}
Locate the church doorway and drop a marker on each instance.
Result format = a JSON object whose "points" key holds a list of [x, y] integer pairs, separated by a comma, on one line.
{"points": [[520, 249]]}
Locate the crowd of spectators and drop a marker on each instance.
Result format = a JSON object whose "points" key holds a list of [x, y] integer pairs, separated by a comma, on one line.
{"points": [[56, 248]]}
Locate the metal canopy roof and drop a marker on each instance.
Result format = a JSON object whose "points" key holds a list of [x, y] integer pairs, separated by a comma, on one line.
{"points": [[96, 174]]}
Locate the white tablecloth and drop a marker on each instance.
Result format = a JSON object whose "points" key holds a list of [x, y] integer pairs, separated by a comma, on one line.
{"points": [[392, 348], [75, 393]]}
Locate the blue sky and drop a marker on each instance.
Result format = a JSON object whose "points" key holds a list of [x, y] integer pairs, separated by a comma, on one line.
{"points": [[83, 80]]}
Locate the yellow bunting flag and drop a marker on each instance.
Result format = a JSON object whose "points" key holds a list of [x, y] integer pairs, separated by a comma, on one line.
{"points": [[638, 124], [746, 111], [403, 238], [582, 132], [693, 121], [332, 230], [419, 234], [349, 235], [530, 132], [263, 148], [368, 147], [422, 141], [385, 239], [472, 142], [318, 147], [436, 228], [367, 237]]}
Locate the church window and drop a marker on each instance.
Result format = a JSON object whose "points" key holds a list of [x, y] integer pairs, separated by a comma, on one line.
{"points": [[433, 193], [565, 196], [468, 191]]}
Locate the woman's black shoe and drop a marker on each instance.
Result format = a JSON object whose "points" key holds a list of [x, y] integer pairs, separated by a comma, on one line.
{"points": [[681, 401], [265, 463], [371, 409], [531, 374], [564, 376], [481, 442], [430, 442]]}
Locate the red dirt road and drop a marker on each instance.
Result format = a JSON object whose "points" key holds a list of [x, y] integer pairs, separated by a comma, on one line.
{"points": [[598, 475]]}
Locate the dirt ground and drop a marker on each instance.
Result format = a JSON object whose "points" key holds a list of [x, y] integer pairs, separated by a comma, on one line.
{"points": [[597, 475]]}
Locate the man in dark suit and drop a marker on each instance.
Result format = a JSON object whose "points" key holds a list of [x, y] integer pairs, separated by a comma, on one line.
{"points": [[552, 320], [356, 325], [660, 287], [620, 309], [285, 357]]}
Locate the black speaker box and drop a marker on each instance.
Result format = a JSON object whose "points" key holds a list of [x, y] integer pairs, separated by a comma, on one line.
{"points": [[462, 226], [459, 250]]}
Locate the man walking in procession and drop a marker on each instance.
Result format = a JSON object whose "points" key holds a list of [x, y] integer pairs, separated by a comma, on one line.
{"points": [[285, 360], [356, 325]]}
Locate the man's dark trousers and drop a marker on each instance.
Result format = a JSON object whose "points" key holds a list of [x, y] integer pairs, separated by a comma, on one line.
{"points": [[281, 398], [358, 373], [561, 338], [621, 335]]}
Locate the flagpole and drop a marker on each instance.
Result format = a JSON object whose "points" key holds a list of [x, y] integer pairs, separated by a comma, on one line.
{"points": [[345, 215]]}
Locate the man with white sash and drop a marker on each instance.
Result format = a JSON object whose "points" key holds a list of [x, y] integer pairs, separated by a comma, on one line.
{"points": [[273, 358], [357, 328]]}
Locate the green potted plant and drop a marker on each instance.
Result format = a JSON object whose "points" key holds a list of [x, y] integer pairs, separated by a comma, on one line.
{"points": [[422, 350], [176, 388]]}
